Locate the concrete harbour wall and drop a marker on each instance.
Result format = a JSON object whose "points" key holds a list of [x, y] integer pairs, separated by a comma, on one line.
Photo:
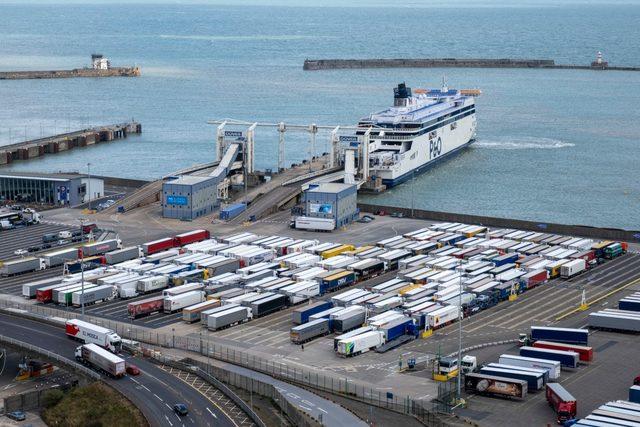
{"points": [[566, 229]]}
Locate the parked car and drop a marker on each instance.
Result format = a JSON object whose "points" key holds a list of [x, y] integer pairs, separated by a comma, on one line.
{"points": [[181, 409], [17, 416]]}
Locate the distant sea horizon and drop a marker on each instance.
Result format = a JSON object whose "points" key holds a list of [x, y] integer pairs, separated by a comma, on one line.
{"points": [[552, 145]]}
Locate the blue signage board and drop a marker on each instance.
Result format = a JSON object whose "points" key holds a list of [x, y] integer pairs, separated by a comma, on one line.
{"points": [[177, 200]]}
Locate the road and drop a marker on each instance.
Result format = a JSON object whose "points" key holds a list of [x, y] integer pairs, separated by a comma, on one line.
{"points": [[154, 392]]}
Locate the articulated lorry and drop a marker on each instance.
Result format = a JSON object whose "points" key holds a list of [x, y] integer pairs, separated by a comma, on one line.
{"points": [[495, 386], [97, 357], [562, 402], [89, 333]]}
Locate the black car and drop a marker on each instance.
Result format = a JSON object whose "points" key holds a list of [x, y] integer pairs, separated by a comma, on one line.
{"points": [[180, 409], [46, 246], [33, 249]]}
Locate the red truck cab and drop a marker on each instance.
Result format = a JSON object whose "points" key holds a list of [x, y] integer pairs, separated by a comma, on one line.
{"points": [[636, 380], [562, 402]]}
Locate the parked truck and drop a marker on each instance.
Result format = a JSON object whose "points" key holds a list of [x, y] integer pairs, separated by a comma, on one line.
{"points": [[301, 315], [156, 246], [347, 319], [565, 335], [145, 307], [89, 333], [178, 302], [99, 248], [568, 359], [151, 284], [562, 402], [53, 259], [191, 237], [268, 305], [572, 268], [360, 343], [552, 366], [495, 386], [93, 295], [535, 380], [310, 330], [192, 314], [397, 328], [99, 358], [233, 315], [29, 289], [121, 255], [22, 265], [585, 352]]}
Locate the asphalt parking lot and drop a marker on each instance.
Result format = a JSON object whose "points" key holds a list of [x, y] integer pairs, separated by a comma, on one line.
{"points": [[268, 337], [26, 237]]}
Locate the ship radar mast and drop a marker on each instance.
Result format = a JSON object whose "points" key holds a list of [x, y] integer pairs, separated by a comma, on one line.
{"points": [[444, 89]]}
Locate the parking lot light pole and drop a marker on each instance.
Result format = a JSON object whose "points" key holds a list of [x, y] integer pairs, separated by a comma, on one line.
{"points": [[460, 317], [82, 268], [89, 183]]}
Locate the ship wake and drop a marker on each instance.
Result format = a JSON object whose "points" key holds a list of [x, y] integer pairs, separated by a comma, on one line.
{"points": [[522, 143]]}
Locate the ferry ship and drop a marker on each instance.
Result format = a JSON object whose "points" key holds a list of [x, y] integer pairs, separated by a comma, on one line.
{"points": [[421, 129]]}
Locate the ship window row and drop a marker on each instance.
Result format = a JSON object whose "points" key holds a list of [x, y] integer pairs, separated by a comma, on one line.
{"points": [[434, 127], [457, 114]]}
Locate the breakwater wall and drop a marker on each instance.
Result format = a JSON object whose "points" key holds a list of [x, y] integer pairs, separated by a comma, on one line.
{"points": [[68, 74], [543, 227], [58, 143], [334, 64]]}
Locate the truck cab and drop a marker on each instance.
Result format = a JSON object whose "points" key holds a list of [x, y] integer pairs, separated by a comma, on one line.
{"points": [[469, 364], [114, 343], [524, 340], [447, 365]]}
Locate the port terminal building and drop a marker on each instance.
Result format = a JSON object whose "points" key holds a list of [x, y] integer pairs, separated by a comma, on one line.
{"points": [[333, 203], [60, 189], [189, 196]]}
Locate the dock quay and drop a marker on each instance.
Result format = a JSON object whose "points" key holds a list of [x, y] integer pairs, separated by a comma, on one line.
{"points": [[69, 74], [31, 149], [335, 64]]}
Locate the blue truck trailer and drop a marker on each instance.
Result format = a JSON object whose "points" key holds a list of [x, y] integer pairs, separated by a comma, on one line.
{"points": [[505, 259], [397, 328], [567, 359], [564, 335], [301, 315], [337, 281], [232, 211], [634, 394], [630, 304]]}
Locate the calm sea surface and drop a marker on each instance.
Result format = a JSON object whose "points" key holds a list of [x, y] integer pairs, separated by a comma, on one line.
{"points": [[553, 145]]}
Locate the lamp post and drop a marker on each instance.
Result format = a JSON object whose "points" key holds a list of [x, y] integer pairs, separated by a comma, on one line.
{"points": [[413, 178], [460, 317], [89, 183], [82, 220]]}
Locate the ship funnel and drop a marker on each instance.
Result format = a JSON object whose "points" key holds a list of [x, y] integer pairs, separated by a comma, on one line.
{"points": [[401, 94]]}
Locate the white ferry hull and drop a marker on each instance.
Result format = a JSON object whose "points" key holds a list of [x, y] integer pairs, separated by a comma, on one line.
{"points": [[426, 152]]}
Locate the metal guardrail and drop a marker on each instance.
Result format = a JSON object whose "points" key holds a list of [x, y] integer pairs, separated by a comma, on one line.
{"points": [[196, 369], [426, 411], [50, 355]]}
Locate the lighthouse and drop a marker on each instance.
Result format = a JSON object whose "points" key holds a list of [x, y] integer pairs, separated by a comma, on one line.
{"points": [[599, 62]]}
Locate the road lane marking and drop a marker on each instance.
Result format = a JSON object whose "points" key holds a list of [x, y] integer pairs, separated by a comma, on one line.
{"points": [[167, 418], [214, 415], [169, 406], [158, 397]]}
